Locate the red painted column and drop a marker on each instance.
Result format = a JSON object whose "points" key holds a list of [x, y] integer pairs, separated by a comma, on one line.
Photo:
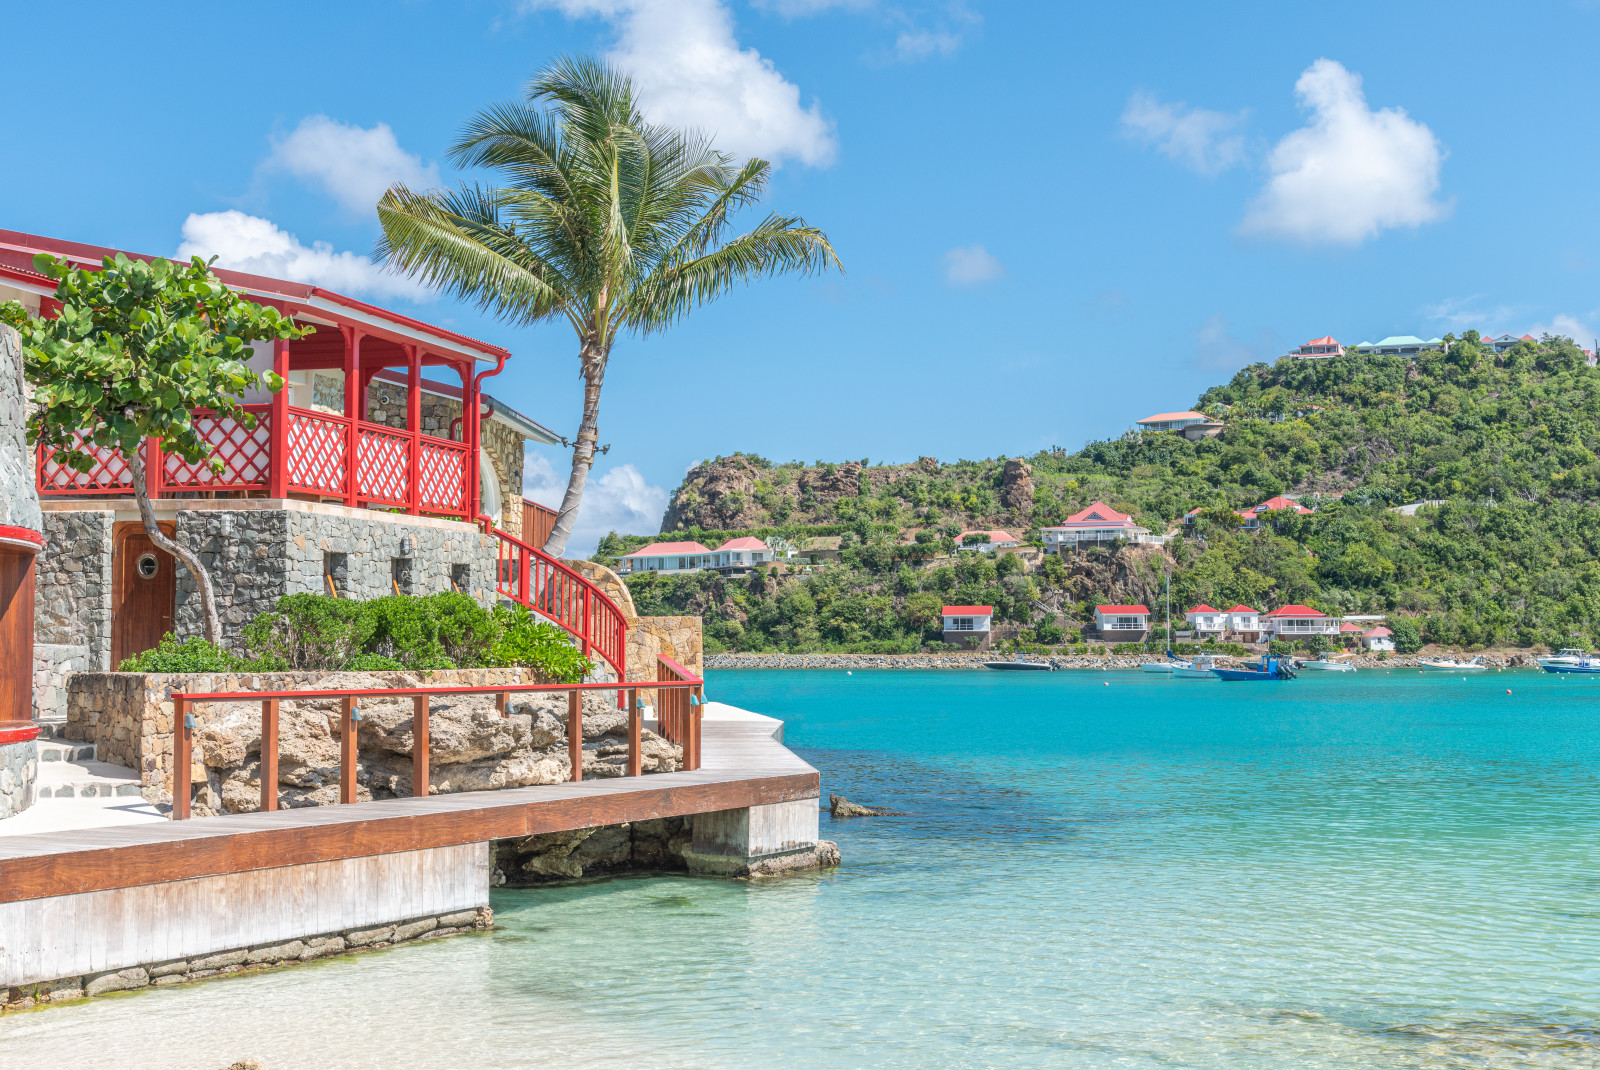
{"points": [[414, 426], [355, 395], [469, 435], [278, 433]]}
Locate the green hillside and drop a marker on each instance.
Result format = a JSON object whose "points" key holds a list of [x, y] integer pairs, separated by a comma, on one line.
{"points": [[1508, 440]]}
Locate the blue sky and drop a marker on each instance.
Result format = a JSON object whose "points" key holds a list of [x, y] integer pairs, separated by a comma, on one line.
{"points": [[1055, 218]]}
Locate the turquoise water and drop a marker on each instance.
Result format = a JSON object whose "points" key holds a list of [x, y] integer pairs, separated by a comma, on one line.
{"points": [[1097, 870]]}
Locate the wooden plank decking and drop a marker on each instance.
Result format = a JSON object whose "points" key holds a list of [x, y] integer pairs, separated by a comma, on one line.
{"points": [[743, 766]]}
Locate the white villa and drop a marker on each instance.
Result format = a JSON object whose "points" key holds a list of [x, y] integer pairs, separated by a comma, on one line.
{"points": [[967, 625], [989, 542], [1207, 621], [667, 557], [741, 555], [1380, 638], [1191, 425], [1297, 622], [1097, 524], [1400, 345], [1318, 349], [1244, 621], [1114, 622]]}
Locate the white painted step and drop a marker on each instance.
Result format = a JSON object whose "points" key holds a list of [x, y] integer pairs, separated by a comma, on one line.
{"points": [[65, 751], [85, 780]]}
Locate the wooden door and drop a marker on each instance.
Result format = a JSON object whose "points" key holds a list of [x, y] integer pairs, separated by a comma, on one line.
{"points": [[16, 634], [144, 591]]}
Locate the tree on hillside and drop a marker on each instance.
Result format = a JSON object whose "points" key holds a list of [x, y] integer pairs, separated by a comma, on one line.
{"points": [[137, 347], [599, 218]]}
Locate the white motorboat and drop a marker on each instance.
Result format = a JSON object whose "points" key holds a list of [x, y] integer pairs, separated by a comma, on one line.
{"points": [[1325, 664], [1583, 664], [1198, 669], [1169, 666], [1568, 656], [1452, 665]]}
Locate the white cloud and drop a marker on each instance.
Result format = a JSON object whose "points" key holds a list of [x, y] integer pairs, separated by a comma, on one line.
{"points": [[620, 500], [919, 44], [353, 164], [691, 72], [970, 265], [250, 243], [794, 9], [1201, 140], [1574, 328], [1216, 348], [1351, 172], [1460, 314]]}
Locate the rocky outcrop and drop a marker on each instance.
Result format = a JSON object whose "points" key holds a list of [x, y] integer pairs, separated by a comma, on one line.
{"points": [[716, 494], [832, 482], [839, 806], [1016, 488], [654, 846]]}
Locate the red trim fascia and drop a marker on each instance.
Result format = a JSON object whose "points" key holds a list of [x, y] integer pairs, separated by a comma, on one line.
{"points": [[26, 538], [374, 310], [18, 731]]}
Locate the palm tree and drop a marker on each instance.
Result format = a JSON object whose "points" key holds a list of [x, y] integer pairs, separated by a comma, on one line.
{"points": [[602, 219]]}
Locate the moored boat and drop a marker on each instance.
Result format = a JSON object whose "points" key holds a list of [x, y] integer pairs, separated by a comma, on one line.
{"points": [[1169, 666], [1198, 669], [1583, 663], [1323, 663], [1021, 664], [1566, 656], [1271, 667], [1452, 665]]}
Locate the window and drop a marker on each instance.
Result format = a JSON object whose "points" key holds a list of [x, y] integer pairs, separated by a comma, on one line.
{"points": [[961, 624]]}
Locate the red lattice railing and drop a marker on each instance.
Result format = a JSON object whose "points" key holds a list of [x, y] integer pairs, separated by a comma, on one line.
{"points": [[383, 465], [111, 473], [319, 448], [551, 589], [441, 476], [245, 452]]}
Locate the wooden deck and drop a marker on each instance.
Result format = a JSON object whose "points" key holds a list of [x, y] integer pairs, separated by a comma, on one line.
{"points": [[743, 766]]}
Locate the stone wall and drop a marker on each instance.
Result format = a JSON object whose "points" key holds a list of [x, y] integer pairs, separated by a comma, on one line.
{"points": [[473, 747], [661, 846], [19, 765], [678, 638], [257, 556], [51, 666], [72, 583], [19, 501]]}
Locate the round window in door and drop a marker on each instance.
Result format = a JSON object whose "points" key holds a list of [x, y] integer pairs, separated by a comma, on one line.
{"points": [[147, 566]]}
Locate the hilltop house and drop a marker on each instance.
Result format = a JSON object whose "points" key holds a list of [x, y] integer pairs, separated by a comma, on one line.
{"points": [[738, 556], [967, 626], [1297, 622], [986, 542], [667, 557], [1122, 624], [1191, 425], [1206, 621], [1098, 524], [1250, 519], [1379, 638], [1400, 345], [1318, 348]]}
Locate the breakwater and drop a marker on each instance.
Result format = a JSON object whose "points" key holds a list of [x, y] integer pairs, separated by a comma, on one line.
{"points": [[1059, 661]]}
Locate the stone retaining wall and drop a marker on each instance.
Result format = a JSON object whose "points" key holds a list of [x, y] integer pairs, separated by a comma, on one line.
{"points": [[72, 583], [246, 959], [19, 765], [1071, 661], [52, 664]]}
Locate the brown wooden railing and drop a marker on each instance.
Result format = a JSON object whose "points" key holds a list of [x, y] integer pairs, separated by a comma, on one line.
{"points": [[679, 697], [548, 587], [538, 521]]}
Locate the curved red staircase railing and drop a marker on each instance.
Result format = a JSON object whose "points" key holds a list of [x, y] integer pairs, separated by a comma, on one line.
{"points": [[534, 579]]}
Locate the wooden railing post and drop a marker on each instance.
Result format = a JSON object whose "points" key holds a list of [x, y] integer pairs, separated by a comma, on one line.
{"points": [[419, 746], [696, 711], [501, 701], [575, 733], [268, 767], [635, 735], [347, 749], [182, 756]]}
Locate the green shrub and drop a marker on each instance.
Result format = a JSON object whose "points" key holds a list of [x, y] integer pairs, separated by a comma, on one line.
{"points": [[1280, 646], [535, 644], [309, 631], [1049, 631], [191, 655], [372, 663], [1407, 636]]}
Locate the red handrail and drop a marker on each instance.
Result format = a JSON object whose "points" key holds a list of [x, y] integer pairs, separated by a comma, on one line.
{"points": [[533, 578]]}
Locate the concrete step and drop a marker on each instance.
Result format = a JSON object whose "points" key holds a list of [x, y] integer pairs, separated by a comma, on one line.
{"points": [[63, 751], [86, 780], [52, 729]]}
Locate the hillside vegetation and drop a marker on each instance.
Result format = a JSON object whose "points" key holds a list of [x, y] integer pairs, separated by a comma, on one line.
{"points": [[1508, 440]]}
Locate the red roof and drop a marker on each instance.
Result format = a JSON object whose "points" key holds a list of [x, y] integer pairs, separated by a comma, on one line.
{"points": [[994, 536], [1280, 502], [1122, 609], [1325, 340], [1202, 608], [748, 542], [1295, 610], [665, 549], [1348, 626], [966, 611], [1242, 608], [1098, 511], [1526, 338], [1377, 633], [1165, 417]]}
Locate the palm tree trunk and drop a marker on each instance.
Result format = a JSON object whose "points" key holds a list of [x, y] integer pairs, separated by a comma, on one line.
{"points": [[191, 560], [593, 358]]}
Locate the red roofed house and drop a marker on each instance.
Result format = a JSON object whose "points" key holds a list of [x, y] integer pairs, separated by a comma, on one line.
{"points": [[1191, 425], [1244, 622], [1099, 523], [1206, 621], [741, 555], [967, 625], [1380, 638], [1250, 519], [1297, 622], [1123, 624], [667, 557], [1318, 348], [986, 541]]}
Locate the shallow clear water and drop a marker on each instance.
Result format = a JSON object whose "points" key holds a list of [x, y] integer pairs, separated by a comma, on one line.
{"points": [[1097, 870]]}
